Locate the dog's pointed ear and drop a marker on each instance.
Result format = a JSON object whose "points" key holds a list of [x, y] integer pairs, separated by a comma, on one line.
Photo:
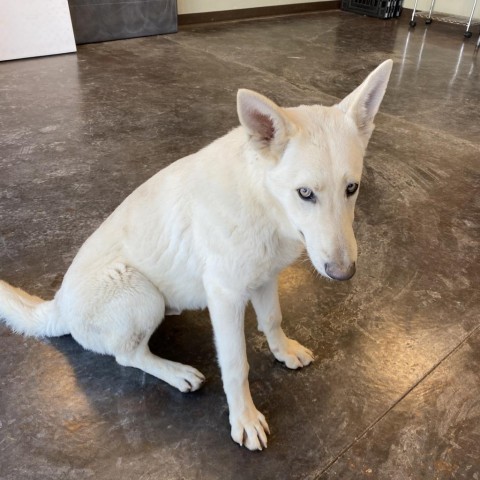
{"points": [[363, 103], [266, 123]]}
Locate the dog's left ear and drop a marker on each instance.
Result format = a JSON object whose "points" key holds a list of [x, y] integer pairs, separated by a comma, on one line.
{"points": [[266, 123], [363, 103]]}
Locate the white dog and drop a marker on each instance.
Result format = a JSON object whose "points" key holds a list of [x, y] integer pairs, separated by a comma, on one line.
{"points": [[214, 229]]}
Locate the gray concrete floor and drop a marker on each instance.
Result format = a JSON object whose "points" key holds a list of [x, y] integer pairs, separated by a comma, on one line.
{"points": [[395, 389]]}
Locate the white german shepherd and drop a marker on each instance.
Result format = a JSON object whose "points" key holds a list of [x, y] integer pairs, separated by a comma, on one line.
{"points": [[214, 229]]}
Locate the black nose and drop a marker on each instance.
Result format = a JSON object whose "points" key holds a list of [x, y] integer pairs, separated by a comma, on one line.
{"points": [[340, 273]]}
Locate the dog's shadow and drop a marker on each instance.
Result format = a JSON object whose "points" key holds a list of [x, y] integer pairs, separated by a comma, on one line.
{"points": [[144, 409]]}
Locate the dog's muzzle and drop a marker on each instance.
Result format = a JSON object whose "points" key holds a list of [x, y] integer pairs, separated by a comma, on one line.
{"points": [[340, 273]]}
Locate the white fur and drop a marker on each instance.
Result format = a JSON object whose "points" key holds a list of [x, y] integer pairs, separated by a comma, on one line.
{"points": [[214, 229]]}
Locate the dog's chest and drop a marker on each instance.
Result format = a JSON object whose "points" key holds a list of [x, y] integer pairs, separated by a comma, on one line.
{"points": [[267, 258]]}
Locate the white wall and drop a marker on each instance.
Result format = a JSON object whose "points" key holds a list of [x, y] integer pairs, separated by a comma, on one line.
{"points": [[30, 28], [200, 6], [456, 7]]}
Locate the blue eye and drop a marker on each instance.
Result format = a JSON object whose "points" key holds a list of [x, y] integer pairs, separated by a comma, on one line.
{"points": [[351, 189], [307, 194]]}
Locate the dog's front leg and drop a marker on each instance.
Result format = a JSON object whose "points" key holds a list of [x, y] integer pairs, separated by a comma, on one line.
{"points": [[227, 310], [267, 307]]}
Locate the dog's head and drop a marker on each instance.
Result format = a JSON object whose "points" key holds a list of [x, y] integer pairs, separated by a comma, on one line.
{"points": [[313, 158]]}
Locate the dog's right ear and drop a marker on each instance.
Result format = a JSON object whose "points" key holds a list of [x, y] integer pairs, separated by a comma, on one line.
{"points": [[266, 123]]}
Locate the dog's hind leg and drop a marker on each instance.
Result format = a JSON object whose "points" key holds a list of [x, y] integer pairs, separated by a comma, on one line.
{"points": [[178, 375], [267, 307], [124, 309]]}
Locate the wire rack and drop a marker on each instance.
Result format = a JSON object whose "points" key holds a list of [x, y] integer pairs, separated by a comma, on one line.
{"points": [[453, 19]]}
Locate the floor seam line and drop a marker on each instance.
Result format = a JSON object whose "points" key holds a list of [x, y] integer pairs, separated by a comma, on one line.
{"points": [[396, 402]]}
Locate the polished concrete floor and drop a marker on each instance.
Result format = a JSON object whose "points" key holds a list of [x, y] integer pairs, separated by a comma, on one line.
{"points": [[395, 389]]}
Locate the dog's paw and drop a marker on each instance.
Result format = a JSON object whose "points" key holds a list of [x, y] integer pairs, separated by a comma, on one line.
{"points": [[294, 355], [250, 429], [187, 379]]}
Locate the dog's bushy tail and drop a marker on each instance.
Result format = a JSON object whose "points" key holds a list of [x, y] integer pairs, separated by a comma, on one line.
{"points": [[28, 314]]}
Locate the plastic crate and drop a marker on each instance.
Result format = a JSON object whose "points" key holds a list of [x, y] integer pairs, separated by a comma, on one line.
{"points": [[374, 8]]}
